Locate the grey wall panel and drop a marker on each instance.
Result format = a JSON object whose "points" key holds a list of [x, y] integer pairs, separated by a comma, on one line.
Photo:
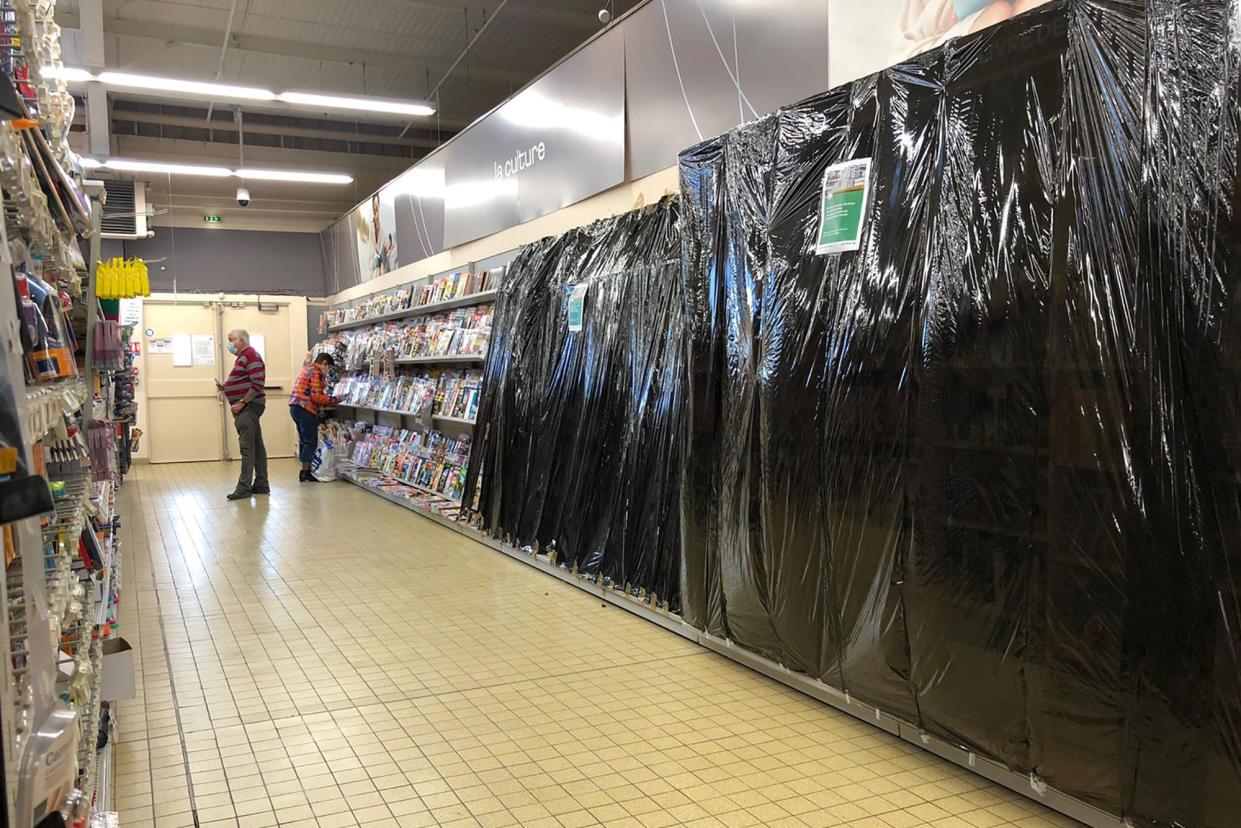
{"points": [[560, 140], [314, 315], [418, 197], [339, 255], [669, 75], [232, 261], [109, 249], [698, 68]]}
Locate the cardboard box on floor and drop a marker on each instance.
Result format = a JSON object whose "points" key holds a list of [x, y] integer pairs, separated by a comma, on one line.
{"points": [[117, 681]]}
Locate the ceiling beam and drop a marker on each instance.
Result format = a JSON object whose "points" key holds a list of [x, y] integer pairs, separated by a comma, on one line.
{"points": [[528, 10], [534, 11], [254, 128], [479, 73], [376, 169], [97, 123]]}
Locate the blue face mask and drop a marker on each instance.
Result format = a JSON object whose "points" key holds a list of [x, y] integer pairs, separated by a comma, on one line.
{"points": [[232, 347]]}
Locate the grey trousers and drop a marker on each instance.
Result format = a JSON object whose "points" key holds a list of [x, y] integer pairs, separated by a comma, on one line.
{"points": [[253, 452]]}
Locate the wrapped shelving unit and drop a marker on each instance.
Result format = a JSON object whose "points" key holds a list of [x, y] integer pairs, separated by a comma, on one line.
{"points": [[974, 476]]}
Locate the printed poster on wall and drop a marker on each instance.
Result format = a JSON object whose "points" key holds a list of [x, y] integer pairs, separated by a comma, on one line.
{"points": [[867, 37], [842, 206], [374, 225], [182, 351], [203, 348], [131, 312]]}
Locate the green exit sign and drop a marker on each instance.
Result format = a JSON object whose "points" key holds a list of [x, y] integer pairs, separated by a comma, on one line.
{"points": [[212, 219]]}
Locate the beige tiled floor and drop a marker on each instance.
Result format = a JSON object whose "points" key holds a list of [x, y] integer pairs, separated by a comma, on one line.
{"points": [[323, 658]]}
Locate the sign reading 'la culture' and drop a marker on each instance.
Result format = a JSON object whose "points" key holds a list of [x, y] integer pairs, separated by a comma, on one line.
{"points": [[521, 160]]}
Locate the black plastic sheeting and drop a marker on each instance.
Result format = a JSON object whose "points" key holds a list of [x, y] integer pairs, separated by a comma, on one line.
{"points": [[578, 451], [985, 472]]}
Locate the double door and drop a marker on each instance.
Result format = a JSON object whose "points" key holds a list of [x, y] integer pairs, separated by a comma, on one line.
{"points": [[187, 419]]}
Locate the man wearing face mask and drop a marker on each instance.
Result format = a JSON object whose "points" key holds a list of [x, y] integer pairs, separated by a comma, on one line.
{"points": [[244, 391]]}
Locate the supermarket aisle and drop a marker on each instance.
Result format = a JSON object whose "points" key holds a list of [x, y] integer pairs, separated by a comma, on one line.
{"points": [[324, 658]]}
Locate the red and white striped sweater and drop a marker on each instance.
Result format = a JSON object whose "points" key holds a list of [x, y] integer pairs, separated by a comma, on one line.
{"points": [[249, 373]]}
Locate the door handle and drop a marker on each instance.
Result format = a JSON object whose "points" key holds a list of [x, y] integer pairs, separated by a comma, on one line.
{"points": [[273, 387]]}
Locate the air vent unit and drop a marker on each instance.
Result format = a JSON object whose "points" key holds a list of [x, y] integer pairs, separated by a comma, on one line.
{"points": [[125, 213]]}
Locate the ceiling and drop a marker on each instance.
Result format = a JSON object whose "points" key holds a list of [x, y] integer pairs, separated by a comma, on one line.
{"points": [[386, 48]]}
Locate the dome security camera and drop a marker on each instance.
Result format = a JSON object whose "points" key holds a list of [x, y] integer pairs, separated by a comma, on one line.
{"points": [[243, 196], [605, 16]]}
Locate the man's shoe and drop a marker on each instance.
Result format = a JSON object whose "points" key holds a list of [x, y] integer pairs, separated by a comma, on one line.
{"points": [[239, 494], [306, 477], [261, 490]]}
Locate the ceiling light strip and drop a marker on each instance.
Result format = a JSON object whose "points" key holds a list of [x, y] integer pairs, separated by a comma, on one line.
{"points": [[229, 92], [293, 175], [184, 87], [247, 173], [313, 100]]}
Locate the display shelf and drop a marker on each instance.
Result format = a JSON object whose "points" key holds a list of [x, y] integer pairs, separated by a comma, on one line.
{"points": [[44, 212], [457, 420], [105, 586], [400, 501], [438, 417], [103, 777], [446, 359], [375, 409], [422, 488], [481, 298], [48, 404], [107, 553]]}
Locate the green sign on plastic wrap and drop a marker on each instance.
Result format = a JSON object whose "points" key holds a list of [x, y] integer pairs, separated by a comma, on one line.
{"points": [[577, 307], [842, 208]]}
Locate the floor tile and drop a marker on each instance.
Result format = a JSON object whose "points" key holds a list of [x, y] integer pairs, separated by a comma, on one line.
{"points": [[324, 658]]}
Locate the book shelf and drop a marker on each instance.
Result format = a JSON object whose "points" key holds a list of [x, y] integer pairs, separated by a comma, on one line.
{"points": [[449, 290], [410, 368], [461, 421], [481, 298]]}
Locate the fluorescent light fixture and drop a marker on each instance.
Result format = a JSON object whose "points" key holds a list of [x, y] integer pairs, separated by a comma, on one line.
{"points": [[131, 165], [361, 103], [69, 74], [138, 166], [219, 91], [294, 175], [155, 84]]}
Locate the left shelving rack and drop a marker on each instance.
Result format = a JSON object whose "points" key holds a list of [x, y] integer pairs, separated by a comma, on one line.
{"points": [[59, 473]]}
